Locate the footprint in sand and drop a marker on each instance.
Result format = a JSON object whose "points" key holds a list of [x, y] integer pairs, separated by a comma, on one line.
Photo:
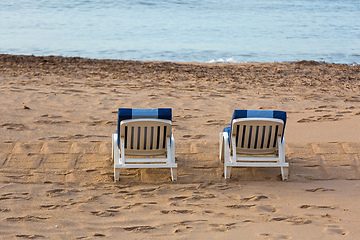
{"points": [[50, 206], [222, 227], [186, 116], [102, 122], [24, 195], [76, 136], [223, 187], [305, 206], [198, 136], [203, 196], [102, 214], [295, 220], [338, 115], [254, 198], [319, 190], [265, 208], [216, 122], [299, 221], [269, 236], [328, 216], [262, 208], [26, 218], [183, 211], [35, 236], [51, 116], [327, 117], [334, 229], [99, 235], [216, 95], [187, 226], [51, 121], [178, 198], [14, 126], [321, 108], [183, 229], [147, 190], [132, 205], [241, 206], [55, 192], [139, 228]]}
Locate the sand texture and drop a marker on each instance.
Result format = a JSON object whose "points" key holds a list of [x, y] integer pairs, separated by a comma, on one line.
{"points": [[56, 172]]}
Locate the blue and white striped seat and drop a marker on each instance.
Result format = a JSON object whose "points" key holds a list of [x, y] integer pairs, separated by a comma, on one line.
{"points": [[146, 136], [255, 139]]}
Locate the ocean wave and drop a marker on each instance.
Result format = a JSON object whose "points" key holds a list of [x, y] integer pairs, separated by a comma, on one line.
{"points": [[220, 60]]}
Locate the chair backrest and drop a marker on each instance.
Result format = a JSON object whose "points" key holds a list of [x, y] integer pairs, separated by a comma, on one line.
{"points": [[145, 130], [257, 135], [145, 136], [257, 131]]}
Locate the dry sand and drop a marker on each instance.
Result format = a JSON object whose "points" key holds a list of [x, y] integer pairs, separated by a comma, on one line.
{"points": [[56, 174]]}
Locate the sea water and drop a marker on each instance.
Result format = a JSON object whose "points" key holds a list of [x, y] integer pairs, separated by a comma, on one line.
{"points": [[184, 30]]}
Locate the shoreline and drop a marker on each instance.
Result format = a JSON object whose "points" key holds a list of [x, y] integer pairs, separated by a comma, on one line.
{"points": [[176, 62]]}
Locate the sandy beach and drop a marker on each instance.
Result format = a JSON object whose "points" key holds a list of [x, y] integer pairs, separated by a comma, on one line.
{"points": [[56, 172]]}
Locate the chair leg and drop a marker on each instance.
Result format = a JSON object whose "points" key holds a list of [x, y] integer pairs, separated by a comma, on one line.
{"points": [[221, 146], [172, 150], [112, 147], [116, 174], [227, 172], [174, 174], [285, 173]]}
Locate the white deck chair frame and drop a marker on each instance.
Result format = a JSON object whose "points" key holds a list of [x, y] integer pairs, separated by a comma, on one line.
{"points": [[149, 142], [255, 142]]}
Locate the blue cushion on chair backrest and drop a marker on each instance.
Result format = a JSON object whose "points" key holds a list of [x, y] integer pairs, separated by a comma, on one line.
{"points": [[258, 114], [132, 113]]}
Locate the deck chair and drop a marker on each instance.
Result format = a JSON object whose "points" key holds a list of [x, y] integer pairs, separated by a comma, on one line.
{"points": [[144, 140], [255, 139]]}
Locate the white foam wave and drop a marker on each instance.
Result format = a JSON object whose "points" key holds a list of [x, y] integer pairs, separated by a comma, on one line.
{"points": [[220, 60]]}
